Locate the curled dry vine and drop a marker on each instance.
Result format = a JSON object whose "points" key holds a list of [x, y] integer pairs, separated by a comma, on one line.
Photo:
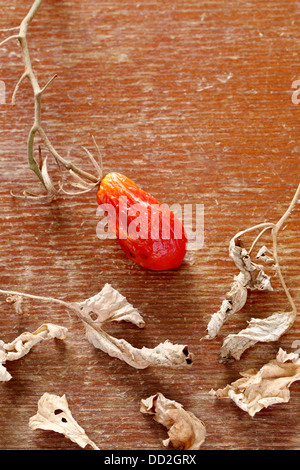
{"points": [[111, 306], [81, 179], [252, 276]]}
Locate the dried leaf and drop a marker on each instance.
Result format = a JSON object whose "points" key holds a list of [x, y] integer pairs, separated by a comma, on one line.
{"points": [[165, 354], [268, 329], [258, 330], [4, 374], [270, 385], [252, 275], [185, 431], [261, 255], [110, 305], [234, 301], [23, 343], [16, 301], [54, 415]]}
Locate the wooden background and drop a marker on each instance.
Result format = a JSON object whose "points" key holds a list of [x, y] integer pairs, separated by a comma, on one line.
{"points": [[192, 100]]}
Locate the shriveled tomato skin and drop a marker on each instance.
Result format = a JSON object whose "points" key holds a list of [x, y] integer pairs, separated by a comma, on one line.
{"points": [[159, 245]]}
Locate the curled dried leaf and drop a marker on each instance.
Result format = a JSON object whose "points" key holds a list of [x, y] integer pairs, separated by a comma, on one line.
{"points": [[185, 430], [54, 415], [252, 275], [16, 301], [23, 344], [263, 256], [269, 385], [258, 330], [110, 305], [234, 301], [4, 374], [165, 354]]}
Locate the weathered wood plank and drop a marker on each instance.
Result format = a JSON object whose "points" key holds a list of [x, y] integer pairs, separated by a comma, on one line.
{"points": [[192, 100]]}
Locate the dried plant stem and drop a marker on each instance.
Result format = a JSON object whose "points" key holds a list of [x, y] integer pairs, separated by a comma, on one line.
{"points": [[278, 269], [38, 92], [68, 305], [252, 276], [36, 297], [275, 228], [48, 299], [275, 231], [289, 210], [259, 236], [110, 306]]}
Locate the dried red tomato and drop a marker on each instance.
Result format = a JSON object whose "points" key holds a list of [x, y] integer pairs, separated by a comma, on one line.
{"points": [[148, 232]]}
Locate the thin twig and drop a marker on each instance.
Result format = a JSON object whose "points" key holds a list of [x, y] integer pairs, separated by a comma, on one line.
{"points": [[35, 297], [6, 30], [38, 92], [258, 238], [68, 305], [48, 83], [289, 210], [278, 269], [265, 225], [25, 74], [14, 36], [275, 228]]}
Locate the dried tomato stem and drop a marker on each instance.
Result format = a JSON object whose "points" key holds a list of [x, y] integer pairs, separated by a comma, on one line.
{"points": [[289, 210], [36, 297], [265, 226], [68, 305], [275, 229], [38, 92], [258, 238], [278, 269]]}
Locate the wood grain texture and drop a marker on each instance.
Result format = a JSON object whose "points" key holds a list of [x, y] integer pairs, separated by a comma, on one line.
{"points": [[192, 100]]}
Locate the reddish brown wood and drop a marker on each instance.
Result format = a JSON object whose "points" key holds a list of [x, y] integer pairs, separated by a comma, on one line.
{"points": [[192, 100]]}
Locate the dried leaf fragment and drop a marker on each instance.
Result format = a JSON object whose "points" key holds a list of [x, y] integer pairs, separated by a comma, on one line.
{"points": [[251, 276], [4, 374], [258, 330], [165, 354], [270, 385], [16, 301], [185, 430], [54, 415], [110, 305], [262, 255], [23, 344], [234, 301]]}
